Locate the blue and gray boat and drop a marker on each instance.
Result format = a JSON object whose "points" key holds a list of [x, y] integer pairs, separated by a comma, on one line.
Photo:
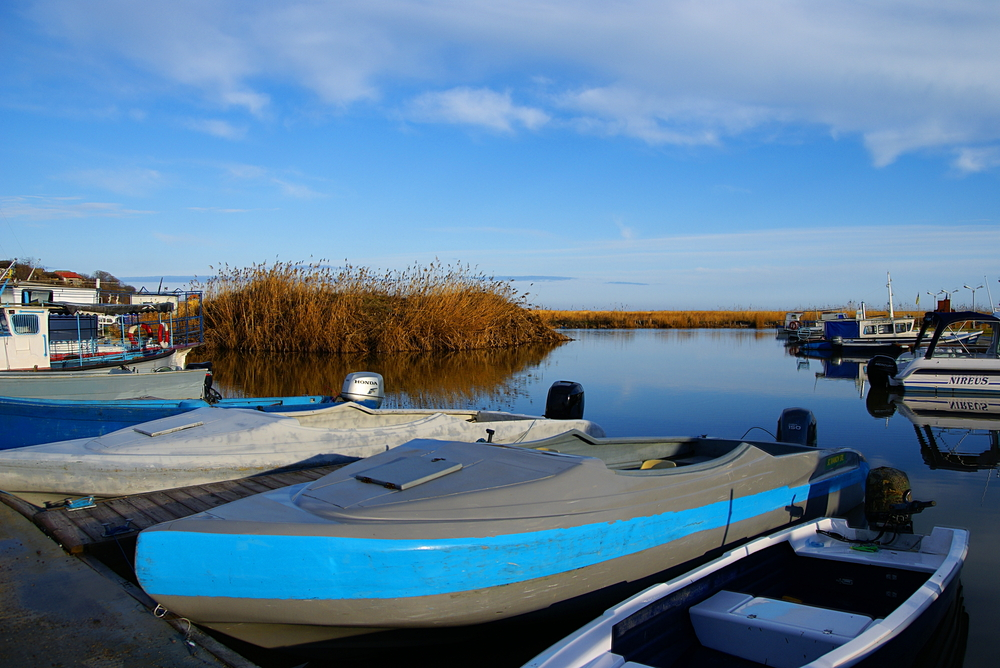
{"points": [[440, 534]]}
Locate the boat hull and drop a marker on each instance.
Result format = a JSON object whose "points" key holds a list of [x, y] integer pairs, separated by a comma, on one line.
{"points": [[29, 421], [944, 376], [872, 607], [107, 385], [286, 568]]}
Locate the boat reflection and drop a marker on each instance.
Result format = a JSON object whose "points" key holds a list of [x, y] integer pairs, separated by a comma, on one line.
{"points": [[466, 379], [835, 367], [955, 433]]}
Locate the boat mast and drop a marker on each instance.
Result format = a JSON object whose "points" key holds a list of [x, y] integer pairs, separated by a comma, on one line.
{"points": [[889, 285]]}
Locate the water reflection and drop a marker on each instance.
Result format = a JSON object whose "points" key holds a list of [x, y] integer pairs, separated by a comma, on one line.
{"points": [[468, 379], [665, 382], [955, 433]]}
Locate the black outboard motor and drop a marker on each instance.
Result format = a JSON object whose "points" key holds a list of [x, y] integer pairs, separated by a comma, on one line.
{"points": [[198, 365], [797, 425], [880, 369], [889, 504], [565, 401]]}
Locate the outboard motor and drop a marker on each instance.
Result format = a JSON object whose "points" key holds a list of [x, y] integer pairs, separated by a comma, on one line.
{"points": [[880, 369], [564, 401], [363, 387], [889, 504], [198, 365], [797, 425]]}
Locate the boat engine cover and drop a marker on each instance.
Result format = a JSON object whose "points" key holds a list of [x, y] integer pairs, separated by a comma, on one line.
{"points": [[797, 425], [564, 401], [363, 387], [880, 369]]}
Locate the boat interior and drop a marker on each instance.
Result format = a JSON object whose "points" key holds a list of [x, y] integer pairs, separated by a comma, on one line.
{"points": [[647, 454], [815, 591]]}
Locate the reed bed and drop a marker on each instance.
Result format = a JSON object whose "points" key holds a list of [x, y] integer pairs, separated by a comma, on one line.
{"points": [[295, 307], [661, 319]]}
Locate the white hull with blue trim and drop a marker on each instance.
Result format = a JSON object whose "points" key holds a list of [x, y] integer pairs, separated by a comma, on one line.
{"points": [[437, 533], [818, 595], [949, 364]]}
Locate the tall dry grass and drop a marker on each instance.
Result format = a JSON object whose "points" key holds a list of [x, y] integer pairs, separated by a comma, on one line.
{"points": [[297, 307], [661, 319]]}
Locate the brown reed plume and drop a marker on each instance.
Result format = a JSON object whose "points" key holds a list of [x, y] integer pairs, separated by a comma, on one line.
{"points": [[297, 307]]}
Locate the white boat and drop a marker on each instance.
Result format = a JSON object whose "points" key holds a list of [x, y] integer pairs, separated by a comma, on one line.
{"points": [[213, 444], [107, 384], [55, 329], [949, 364], [801, 597]]}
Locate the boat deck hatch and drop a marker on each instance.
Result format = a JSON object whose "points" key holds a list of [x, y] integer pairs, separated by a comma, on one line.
{"points": [[407, 472]]}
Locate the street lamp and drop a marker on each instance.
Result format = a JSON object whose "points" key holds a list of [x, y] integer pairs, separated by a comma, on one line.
{"points": [[973, 294]]}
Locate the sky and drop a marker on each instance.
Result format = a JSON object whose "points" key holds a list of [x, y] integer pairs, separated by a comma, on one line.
{"points": [[636, 154]]}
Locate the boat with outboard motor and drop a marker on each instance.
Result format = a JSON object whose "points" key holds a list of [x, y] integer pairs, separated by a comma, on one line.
{"points": [[949, 364], [821, 594], [31, 421], [437, 534], [207, 445]]}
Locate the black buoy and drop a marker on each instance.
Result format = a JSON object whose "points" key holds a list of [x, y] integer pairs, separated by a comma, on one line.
{"points": [[797, 425], [564, 401], [880, 369]]}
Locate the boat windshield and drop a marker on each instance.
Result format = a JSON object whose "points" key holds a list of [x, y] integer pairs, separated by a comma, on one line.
{"points": [[969, 338]]}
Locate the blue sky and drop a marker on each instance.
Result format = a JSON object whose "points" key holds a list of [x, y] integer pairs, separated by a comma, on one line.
{"points": [[631, 155]]}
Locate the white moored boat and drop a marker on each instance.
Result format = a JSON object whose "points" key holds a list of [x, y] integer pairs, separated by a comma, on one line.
{"points": [[805, 596], [949, 364]]}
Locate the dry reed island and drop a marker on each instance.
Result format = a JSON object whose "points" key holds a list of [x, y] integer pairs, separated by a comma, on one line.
{"points": [[314, 308]]}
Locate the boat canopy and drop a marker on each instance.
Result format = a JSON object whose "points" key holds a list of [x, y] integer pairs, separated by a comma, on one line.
{"points": [[938, 321]]}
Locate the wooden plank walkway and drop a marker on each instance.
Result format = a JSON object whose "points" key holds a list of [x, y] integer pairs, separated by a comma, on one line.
{"points": [[124, 517]]}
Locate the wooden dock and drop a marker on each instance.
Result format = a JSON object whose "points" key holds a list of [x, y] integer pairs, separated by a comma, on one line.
{"points": [[123, 517]]}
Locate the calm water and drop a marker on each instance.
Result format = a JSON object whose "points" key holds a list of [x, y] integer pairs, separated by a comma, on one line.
{"points": [[718, 382]]}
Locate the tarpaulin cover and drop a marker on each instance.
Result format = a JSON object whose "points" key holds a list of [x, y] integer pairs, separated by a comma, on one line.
{"points": [[845, 329]]}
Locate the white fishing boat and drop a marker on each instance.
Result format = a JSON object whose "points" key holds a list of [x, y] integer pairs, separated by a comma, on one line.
{"points": [[208, 445], [822, 594], [961, 357]]}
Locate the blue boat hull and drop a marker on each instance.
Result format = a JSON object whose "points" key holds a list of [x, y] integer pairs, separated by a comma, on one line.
{"points": [[34, 421]]}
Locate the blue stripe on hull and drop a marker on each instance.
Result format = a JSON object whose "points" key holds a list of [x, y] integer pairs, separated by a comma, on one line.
{"points": [[185, 563]]}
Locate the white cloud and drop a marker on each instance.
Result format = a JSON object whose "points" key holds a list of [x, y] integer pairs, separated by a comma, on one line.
{"points": [[482, 106], [217, 128], [627, 233], [977, 159], [45, 208], [266, 176], [905, 75], [131, 182]]}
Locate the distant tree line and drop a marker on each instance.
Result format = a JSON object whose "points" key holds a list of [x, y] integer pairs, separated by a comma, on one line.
{"points": [[31, 269]]}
